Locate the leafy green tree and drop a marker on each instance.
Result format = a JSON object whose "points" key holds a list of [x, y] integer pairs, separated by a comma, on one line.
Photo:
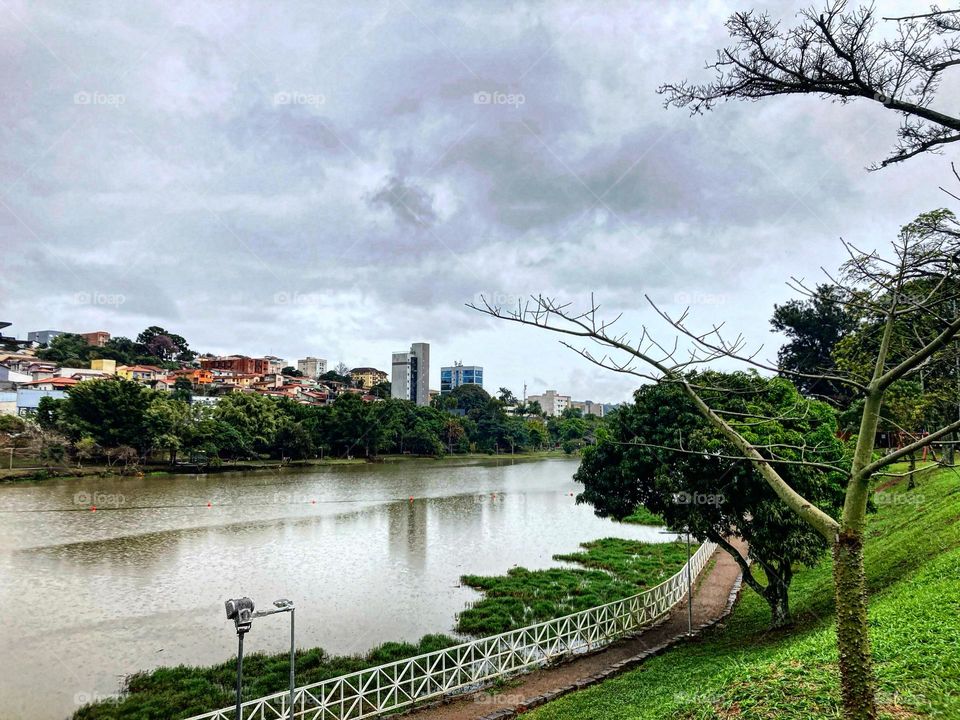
{"points": [[182, 389], [167, 422], [165, 346], [711, 490], [293, 441], [506, 396], [470, 397], [291, 371], [111, 411], [67, 349], [537, 433], [814, 327], [86, 448], [254, 417]]}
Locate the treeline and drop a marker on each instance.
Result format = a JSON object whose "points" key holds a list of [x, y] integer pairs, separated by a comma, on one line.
{"points": [[153, 346], [115, 417]]}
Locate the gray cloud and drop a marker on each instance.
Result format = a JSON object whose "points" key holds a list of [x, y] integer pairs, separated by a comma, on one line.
{"points": [[411, 204], [339, 181]]}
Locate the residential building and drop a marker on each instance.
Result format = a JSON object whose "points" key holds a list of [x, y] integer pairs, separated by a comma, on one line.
{"points": [[551, 402], [80, 373], [19, 361], [53, 383], [367, 377], [588, 407], [104, 365], [9, 378], [43, 337], [312, 367], [197, 376], [275, 364], [39, 370], [411, 374], [459, 374], [97, 338], [141, 373], [238, 364]]}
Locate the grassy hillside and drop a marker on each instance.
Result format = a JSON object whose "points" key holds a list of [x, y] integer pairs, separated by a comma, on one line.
{"points": [[742, 671]]}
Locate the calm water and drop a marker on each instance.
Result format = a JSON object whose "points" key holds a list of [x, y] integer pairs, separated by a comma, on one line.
{"points": [[87, 597]]}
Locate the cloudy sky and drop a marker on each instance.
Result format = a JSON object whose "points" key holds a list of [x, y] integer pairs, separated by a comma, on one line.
{"points": [[339, 179]]}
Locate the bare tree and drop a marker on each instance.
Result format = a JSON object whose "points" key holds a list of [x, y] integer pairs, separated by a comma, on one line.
{"points": [[836, 54], [926, 251]]}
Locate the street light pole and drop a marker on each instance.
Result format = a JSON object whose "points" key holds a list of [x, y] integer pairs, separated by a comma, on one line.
{"points": [[292, 660], [689, 588], [241, 612], [240, 635]]}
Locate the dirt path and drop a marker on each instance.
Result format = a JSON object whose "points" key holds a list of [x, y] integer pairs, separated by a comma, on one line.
{"points": [[711, 600]]}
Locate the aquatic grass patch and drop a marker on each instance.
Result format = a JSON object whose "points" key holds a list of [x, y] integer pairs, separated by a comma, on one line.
{"points": [[182, 691], [744, 671], [612, 568], [642, 516]]}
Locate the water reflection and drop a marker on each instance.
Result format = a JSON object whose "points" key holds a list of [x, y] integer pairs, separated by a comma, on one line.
{"points": [[89, 596]]}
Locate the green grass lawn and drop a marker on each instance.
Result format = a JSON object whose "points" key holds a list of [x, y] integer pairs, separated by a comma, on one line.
{"points": [[742, 671]]}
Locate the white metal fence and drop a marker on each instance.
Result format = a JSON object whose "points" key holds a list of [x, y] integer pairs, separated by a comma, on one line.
{"points": [[467, 667]]}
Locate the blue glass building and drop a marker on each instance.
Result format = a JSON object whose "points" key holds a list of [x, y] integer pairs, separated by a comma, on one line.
{"points": [[459, 374]]}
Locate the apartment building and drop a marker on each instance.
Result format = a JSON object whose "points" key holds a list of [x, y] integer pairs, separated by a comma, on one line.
{"points": [[410, 379]]}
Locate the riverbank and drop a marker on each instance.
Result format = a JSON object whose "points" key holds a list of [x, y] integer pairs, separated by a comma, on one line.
{"points": [[912, 558], [33, 474], [605, 570]]}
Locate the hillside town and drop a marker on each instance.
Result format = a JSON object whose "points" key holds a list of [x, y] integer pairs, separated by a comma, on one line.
{"points": [[47, 363]]}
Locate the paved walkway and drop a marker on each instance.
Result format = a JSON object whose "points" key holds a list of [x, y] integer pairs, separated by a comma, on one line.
{"points": [[711, 601]]}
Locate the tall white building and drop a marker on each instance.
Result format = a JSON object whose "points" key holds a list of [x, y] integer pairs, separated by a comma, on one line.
{"points": [[311, 367], [551, 402], [410, 377]]}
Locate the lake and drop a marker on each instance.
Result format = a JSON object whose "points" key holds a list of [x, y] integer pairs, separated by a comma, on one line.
{"points": [[368, 552]]}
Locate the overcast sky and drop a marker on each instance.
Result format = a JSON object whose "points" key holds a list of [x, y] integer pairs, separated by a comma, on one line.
{"points": [[327, 179]]}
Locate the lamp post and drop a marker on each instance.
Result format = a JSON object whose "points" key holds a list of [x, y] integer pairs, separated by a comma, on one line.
{"points": [[241, 611]]}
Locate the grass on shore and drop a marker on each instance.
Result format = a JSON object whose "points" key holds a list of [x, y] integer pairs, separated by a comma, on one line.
{"points": [[71, 472], [743, 671], [612, 568], [182, 691]]}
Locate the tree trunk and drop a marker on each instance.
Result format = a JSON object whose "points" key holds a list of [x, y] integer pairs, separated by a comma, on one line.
{"points": [[853, 641], [778, 598]]}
